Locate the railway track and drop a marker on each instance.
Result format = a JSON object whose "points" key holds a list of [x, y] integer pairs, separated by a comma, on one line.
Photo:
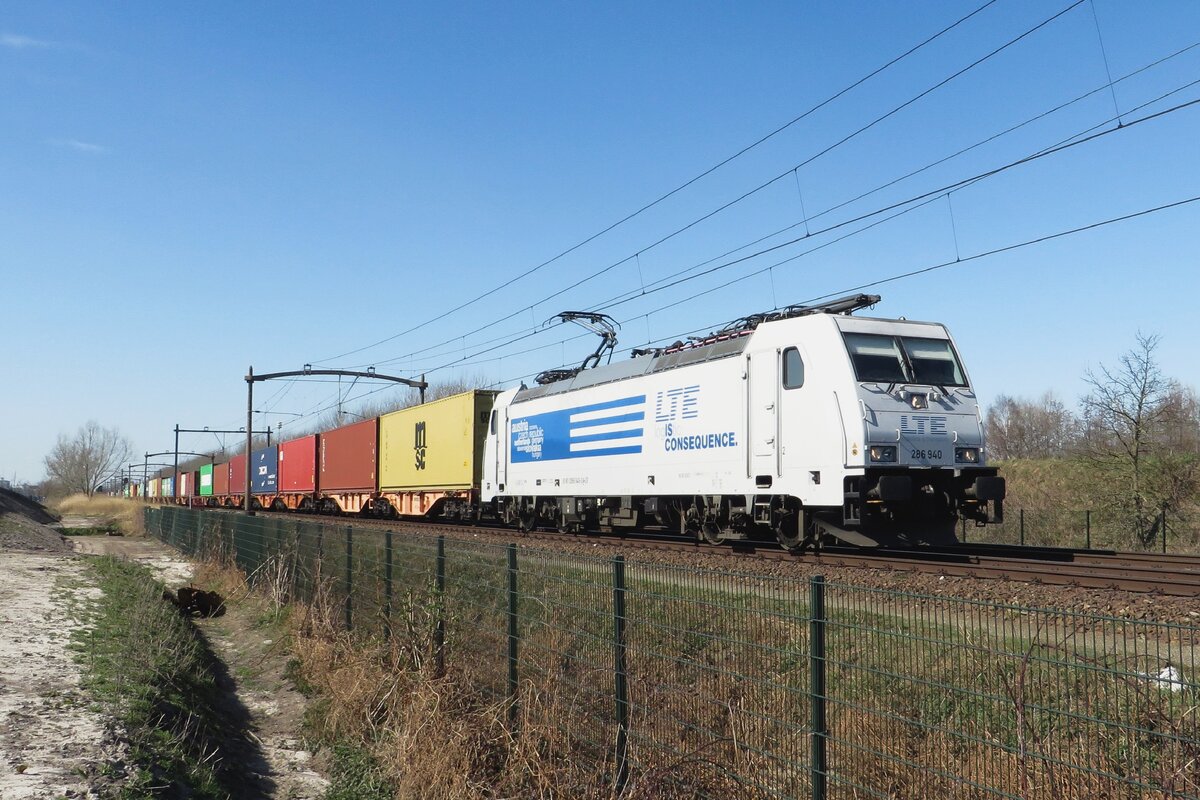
{"points": [[1176, 575]]}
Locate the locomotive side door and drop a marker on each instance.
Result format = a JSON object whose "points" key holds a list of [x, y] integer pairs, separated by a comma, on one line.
{"points": [[494, 461], [500, 433], [762, 404]]}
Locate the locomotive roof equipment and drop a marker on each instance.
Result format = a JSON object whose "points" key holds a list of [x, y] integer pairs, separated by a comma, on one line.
{"points": [[603, 326]]}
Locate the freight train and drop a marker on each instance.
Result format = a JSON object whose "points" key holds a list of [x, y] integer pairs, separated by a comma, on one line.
{"points": [[796, 425]]}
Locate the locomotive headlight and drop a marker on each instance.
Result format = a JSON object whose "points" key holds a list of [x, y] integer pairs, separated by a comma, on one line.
{"points": [[919, 402], [883, 453], [966, 455]]}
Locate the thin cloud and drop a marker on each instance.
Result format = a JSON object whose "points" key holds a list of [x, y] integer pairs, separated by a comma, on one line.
{"points": [[82, 147], [18, 42]]}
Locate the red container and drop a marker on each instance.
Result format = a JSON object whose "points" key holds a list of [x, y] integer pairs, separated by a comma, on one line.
{"points": [[221, 479], [237, 474], [348, 456], [298, 465], [193, 487]]}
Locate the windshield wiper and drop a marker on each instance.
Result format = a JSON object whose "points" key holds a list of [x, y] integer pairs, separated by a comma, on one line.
{"points": [[909, 371]]}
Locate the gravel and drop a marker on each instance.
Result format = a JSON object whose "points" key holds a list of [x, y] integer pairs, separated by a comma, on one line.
{"points": [[23, 526], [1133, 606]]}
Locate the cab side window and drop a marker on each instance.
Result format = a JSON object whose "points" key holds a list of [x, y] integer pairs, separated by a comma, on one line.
{"points": [[793, 369]]}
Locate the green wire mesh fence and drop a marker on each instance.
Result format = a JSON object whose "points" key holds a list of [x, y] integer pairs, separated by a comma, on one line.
{"points": [[670, 681]]}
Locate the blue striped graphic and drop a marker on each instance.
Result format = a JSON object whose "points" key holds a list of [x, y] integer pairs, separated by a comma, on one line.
{"points": [[591, 423], [604, 437], [555, 435]]}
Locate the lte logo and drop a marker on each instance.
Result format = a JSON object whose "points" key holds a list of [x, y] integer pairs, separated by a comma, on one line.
{"points": [[419, 445], [923, 425], [675, 404]]}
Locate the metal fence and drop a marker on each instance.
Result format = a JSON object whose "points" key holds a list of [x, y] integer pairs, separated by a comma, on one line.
{"points": [[669, 681], [1162, 529]]}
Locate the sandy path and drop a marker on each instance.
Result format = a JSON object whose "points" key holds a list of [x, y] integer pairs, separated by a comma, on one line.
{"points": [[51, 744], [256, 668]]}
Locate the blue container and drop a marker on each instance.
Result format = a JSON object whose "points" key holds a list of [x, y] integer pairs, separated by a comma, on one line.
{"points": [[168, 487], [264, 471]]}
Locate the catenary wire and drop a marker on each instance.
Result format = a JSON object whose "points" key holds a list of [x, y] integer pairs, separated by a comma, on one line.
{"points": [[681, 187], [457, 340], [889, 279], [902, 206], [766, 184]]}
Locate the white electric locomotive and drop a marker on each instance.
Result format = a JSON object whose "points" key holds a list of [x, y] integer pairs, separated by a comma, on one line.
{"points": [[802, 424]]}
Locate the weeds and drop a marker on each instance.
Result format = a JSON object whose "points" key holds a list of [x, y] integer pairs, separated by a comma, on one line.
{"points": [[357, 775], [112, 513], [926, 697], [149, 669]]}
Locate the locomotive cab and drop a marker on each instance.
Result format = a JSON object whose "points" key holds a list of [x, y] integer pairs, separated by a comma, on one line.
{"points": [[893, 401]]}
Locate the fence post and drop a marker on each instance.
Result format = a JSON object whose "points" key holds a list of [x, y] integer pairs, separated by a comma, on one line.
{"points": [[387, 584], [319, 566], [816, 694], [1162, 525], [621, 688], [513, 640], [235, 540], [964, 529], [1088, 527], [297, 562], [1022, 527], [439, 632], [349, 578]]}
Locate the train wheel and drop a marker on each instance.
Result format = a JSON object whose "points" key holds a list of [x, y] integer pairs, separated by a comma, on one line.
{"points": [[527, 519], [791, 530], [711, 532]]}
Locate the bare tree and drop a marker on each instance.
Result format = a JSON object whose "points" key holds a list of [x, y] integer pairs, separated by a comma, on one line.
{"points": [[83, 462], [1123, 415], [1181, 421], [1017, 428]]}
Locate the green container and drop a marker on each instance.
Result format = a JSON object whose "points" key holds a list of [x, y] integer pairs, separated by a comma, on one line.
{"points": [[206, 485]]}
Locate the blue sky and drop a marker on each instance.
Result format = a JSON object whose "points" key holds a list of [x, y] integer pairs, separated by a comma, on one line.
{"points": [[189, 190]]}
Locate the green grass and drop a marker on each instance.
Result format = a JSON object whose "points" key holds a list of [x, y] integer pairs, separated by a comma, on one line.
{"points": [[146, 666], [357, 775], [94, 531]]}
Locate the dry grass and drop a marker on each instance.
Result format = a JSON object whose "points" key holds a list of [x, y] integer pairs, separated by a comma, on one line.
{"points": [[439, 736], [118, 512], [1055, 495], [718, 685]]}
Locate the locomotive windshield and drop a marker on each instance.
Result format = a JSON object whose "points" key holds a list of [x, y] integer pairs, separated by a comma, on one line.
{"points": [[903, 359]]}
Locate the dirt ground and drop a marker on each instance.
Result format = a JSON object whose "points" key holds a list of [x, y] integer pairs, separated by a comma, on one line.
{"points": [[52, 744]]}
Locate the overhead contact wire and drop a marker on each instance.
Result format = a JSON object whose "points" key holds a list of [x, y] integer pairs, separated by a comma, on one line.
{"points": [[684, 185], [900, 208], [1011, 42]]}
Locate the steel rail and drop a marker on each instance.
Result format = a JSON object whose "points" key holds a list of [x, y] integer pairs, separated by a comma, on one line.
{"points": [[1169, 574]]}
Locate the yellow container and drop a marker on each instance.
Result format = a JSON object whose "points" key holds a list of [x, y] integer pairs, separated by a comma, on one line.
{"points": [[438, 445]]}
